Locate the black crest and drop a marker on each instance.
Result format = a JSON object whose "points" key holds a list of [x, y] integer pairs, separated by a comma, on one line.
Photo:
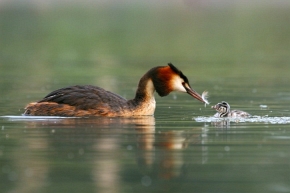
{"points": [[178, 72]]}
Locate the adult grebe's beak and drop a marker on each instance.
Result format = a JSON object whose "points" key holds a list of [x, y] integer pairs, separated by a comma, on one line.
{"points": [[193, 93]]}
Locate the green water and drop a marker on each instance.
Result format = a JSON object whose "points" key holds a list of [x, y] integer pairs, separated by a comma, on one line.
{"points": [[240, 54]]}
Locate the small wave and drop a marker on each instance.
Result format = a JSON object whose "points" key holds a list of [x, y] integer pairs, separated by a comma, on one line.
{"points": [[32, 118], [253, 119]]}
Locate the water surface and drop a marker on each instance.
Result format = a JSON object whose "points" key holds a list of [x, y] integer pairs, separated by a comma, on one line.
{"points": [[177, 150]]}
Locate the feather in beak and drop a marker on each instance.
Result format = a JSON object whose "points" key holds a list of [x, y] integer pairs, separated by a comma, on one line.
{"points": [[195, 94]]}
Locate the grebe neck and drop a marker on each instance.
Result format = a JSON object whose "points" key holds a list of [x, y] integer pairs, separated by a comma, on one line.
{"points": [[144, 101], [145, 90]]}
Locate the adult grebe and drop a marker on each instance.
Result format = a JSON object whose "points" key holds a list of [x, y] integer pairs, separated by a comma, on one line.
{"points": [[223, 110], [94, 101]]}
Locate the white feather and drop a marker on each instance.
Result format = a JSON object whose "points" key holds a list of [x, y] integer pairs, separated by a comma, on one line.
{"points": [[204, 97]]}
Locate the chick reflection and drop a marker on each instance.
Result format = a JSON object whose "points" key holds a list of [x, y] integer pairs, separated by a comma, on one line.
{"points": [[222, 124]]}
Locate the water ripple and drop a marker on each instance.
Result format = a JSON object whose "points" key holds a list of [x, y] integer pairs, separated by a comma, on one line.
{"points": [[253, 119]]}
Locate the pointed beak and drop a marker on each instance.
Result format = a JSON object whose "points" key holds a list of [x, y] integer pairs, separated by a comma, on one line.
{"points": [[193, 93], [214, 107]]}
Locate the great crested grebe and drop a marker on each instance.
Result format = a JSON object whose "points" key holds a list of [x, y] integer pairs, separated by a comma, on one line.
{"points": [[223, 110], [89, 100]]}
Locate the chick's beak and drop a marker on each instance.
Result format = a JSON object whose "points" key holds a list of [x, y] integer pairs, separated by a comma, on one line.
{"points": [[214, 107], [193, 93]]}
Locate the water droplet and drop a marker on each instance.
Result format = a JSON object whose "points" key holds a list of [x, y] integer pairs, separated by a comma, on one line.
{"points": [[146, 181], [129, 147], [263, 107], [227, 148]]}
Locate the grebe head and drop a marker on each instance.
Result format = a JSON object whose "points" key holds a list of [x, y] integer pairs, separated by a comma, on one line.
{"points": [[223, 108], [168, 78]]}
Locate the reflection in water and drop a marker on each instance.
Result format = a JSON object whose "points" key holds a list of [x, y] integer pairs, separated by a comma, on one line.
{"points": [[29, 173], [89, 148], [224, 123], [116, 154], [160, 149], [161, 154]]}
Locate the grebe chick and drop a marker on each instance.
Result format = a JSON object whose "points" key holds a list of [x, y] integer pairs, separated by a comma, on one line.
{"points": [[223, 110], [89, 100]]}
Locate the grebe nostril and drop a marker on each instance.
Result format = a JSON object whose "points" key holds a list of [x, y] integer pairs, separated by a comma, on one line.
{"points": [[94, 101], [223, 110]]}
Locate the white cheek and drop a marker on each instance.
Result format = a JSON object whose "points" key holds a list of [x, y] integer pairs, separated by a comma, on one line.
{"points": [[177, 84]]}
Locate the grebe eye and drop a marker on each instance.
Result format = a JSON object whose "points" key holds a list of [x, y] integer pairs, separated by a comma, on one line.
{"points": [[184, 84], [223, 109]]}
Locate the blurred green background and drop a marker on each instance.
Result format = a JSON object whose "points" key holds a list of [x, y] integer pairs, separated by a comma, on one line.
{"points": [[48, 44]]}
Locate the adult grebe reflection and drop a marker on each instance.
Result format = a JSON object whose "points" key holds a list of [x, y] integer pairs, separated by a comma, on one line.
{"points": [[162, 153], [105, 141]]}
